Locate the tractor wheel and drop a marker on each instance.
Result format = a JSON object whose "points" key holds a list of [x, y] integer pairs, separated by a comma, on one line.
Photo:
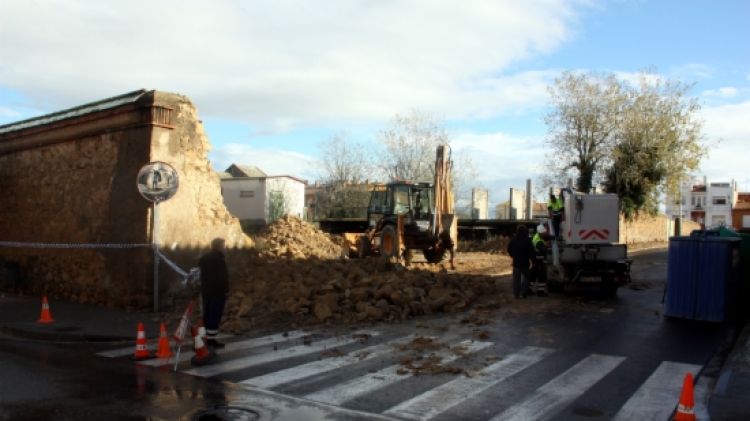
{"points": [[434, 254], [389, 246], [364, 248]]}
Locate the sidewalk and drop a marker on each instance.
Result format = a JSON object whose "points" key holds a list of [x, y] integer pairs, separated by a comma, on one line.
{"points": [[729, 400], [73, 322]]}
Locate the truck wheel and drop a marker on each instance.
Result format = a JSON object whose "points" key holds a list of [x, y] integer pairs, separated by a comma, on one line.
{"points": [[434, 254], [609, 287], [389, 246], [364, 247], [554, 286]]}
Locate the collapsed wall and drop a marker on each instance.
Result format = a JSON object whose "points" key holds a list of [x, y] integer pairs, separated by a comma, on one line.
{"points": [[70, 178]]}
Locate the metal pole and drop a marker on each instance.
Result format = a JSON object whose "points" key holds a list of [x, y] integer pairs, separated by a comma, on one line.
{"points": [[154, 238]]}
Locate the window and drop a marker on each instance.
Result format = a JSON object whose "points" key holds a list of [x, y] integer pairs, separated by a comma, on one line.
{"points": [[247, 193], [719, 200]]}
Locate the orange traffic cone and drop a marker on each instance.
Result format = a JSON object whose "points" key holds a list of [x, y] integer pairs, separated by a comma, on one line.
{"points": [[141, 351], [164, 350], [46, 316], [203, 354], [685, 410]]}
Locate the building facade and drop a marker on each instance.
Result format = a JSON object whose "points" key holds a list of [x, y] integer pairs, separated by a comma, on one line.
{"points": [[708, 203], [259, 200]]}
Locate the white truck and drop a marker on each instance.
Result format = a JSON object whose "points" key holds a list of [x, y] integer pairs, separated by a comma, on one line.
{"points": [[588, 249]]}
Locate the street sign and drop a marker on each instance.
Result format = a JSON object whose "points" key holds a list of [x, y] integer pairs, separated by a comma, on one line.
{"points": [[157, 181]]}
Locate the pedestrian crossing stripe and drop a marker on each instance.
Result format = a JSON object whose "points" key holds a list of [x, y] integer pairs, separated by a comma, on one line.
{"points": [[440, 399], [562, 390], [370, 382], [655, 398], [288, 375], [281, 354], [648, 402]]}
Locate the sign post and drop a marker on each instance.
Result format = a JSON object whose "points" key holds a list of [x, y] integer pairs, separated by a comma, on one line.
{"points": [[157, 181]]}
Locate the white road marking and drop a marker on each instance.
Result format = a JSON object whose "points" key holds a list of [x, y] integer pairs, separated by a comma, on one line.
{"points": [[152, 346], [276, 378], [338, 394], [659, 394], [187, 348], [448, 395], [267, 357], [563, 389]]}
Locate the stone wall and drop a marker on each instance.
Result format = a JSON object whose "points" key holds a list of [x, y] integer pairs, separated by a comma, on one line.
{"points": [[650, 229], [69, 178]]}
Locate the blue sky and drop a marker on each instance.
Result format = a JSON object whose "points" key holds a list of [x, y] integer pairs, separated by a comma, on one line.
{"points": [[272, 79]]}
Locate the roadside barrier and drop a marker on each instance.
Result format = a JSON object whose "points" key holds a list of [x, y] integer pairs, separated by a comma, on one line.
{"points": [[141, 351], [45, 317], [685, 409]]}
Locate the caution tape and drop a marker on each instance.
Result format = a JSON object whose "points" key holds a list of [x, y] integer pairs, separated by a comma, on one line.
{"points": [[19, 244], [190, 276]]}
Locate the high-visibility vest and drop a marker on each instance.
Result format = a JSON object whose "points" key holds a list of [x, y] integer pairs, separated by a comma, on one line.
{"points": [[536, 239], [556, 206]]}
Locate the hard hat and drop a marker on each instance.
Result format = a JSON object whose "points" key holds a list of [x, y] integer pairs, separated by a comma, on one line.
{"points": [[540, 229]]}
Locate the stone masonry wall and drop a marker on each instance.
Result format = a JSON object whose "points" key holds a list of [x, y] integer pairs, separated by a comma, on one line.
{"points": [[649, 229], [72, 181]]}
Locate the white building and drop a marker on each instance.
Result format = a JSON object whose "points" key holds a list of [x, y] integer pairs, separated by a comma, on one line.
{"points": [[257, 199], [480, 203], [706, 203]]}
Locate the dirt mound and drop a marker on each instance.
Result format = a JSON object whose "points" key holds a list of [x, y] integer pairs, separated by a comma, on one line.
{"points": [[292, 237], [496, 245], [286, 291]]}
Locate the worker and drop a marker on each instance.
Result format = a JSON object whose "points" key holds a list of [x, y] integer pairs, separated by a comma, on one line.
{"points": [[556, 209], [522, 252], [539, 267], [214, 288]]}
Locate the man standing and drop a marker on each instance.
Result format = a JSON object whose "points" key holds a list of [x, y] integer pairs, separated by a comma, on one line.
{"points": [[214, 288], [556, 208], [522, 252]]}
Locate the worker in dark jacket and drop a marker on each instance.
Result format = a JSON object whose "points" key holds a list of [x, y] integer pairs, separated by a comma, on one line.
{"points": [[214, 288], [522, 252]]}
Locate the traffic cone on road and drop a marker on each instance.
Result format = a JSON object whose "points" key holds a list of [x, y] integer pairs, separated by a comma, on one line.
{"points": [[203, 354], [182, 327], [141, 351], [46, 316], [164, 350], [685, 411]]}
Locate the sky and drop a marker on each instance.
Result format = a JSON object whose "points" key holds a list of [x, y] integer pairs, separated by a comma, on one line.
{"points": [[272, 79]]}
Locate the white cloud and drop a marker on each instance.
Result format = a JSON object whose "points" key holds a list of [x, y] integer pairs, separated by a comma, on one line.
{"points": [[502, 160], [278, 64], [271, 161], [9, 113], [723, 92], [729, 132]]}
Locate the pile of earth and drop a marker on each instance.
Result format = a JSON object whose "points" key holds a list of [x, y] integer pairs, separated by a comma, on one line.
{"points": [[294, 238], [296, 277], [495, 245]]}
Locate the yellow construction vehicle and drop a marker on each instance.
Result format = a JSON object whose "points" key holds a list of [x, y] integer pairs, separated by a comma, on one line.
{"points": [[408, 216]]}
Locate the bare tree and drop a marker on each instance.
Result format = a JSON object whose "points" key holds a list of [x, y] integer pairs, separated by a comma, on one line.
{"points": [[346, 167], [585, 109], [409, 146]]}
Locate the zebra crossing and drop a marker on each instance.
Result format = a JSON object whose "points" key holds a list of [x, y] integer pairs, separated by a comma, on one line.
{"points": [[345, 370]]}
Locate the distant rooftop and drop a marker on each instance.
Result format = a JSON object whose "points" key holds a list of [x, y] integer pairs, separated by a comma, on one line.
{"points": [[91, 107], [236, 170]]}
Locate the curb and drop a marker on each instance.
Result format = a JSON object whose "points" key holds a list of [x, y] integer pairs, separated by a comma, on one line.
{"points": [[60, 335]]}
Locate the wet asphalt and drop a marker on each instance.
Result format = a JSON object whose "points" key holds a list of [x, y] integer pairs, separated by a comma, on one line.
{"points": [[50, 381]]}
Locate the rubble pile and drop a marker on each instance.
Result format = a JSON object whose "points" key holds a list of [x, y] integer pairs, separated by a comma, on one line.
{"points": [[296, 277], [496, 245], [292, 237]]}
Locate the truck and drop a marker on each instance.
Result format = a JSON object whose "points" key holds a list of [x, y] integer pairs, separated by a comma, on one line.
{"points": [[408, 216], [588, 249]]}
